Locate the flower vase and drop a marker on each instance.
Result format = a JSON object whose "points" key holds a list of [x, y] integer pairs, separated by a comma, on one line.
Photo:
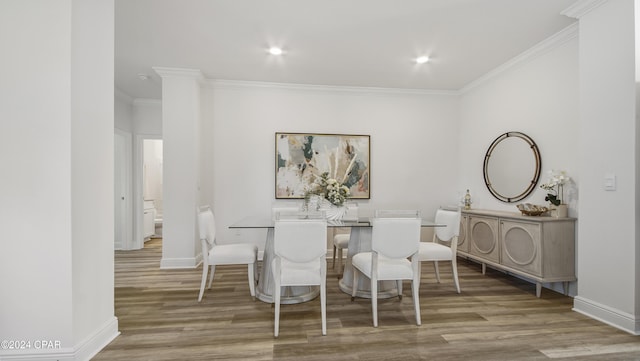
{"points": [[559, 211], [313, 203], [331, 211], [335, 213]]}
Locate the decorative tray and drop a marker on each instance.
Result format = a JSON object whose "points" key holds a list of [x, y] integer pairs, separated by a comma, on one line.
{"points": [[529, 209]]}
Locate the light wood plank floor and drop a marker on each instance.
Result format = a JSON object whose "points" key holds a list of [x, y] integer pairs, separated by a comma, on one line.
{"points": [[496, 317]]}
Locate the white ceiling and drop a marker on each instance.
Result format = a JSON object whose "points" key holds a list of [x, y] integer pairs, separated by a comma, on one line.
{"points": [[363, 43]]}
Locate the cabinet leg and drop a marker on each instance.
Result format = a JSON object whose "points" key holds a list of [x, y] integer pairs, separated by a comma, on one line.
{"points": [[538, 289], [565, 287]]}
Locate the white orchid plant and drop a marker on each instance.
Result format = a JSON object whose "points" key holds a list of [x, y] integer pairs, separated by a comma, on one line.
{"points": [[555, 187]]}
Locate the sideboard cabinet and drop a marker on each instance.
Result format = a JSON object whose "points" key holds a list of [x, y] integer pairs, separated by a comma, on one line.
{"points": [[534, 247]]}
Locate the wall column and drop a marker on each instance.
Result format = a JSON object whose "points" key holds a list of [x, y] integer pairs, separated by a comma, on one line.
{"points": [[57, 153], [181, 153], [607, 251]]}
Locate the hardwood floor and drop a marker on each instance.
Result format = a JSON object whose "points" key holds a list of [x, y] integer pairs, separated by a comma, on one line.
{"points": [[496, 317]]}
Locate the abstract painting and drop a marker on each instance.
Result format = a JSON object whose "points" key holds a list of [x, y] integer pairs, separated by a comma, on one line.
{"points": [[303, 157]]}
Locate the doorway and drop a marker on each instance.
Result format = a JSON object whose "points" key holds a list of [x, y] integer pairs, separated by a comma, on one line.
{"points": [[152, 188]]}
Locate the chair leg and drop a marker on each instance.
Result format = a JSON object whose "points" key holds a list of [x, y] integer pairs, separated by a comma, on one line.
{"points": [[213, 270], [323, 302], [340, 267], [435, 266], [205, 269], [256, 274], [277, 289], [333, 264], [374, 300], [252, 282], [415, 291], [276, 301], [399, 288], [454, 266]]}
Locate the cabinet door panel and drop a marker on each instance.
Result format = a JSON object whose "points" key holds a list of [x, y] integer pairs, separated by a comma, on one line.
{"points": [[463, 240], [149, 223], [483, 234], [521, 248]]}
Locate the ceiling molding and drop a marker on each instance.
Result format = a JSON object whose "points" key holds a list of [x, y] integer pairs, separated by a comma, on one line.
{"points": [[238, 84], [552, 42], [581, 8], [179, 72]]}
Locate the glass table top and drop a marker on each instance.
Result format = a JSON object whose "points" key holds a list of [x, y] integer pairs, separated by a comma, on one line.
{"points": [[265, 222]]}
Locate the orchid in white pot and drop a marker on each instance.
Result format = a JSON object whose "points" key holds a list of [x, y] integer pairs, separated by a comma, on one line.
{"points": [[555, 187]]}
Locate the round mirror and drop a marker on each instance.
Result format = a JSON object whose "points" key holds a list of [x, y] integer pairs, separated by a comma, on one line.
{"points": [[512, 167]]}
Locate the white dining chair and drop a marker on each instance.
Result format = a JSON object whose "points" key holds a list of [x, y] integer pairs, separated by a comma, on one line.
{"points": [[214, 254], [341, 240], [281, 208], [300, 248], [444, 244], [394, 248]]}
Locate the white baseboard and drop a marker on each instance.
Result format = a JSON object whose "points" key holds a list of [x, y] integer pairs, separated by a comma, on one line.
{"points": [[613, 317], [83, 351], [178, 263], [91, 345]]}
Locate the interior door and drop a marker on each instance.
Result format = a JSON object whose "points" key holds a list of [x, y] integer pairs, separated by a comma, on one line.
{"points": [[118, 201], [122, 191]]}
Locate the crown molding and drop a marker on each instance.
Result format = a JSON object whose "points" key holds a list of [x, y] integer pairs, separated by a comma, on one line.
{"points": [[552, 42], [581, 8], [179, 72], [239, 84]]}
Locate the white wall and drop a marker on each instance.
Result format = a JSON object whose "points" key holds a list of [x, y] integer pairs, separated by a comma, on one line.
{"points": [[536, 94], [57, 156], [35, 146], [92, 122], [608, 228], [414, 149], [123, 112], [147, 117]]}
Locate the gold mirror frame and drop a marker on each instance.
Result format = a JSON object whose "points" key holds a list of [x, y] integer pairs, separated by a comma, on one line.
{"points": [[495, 153]]}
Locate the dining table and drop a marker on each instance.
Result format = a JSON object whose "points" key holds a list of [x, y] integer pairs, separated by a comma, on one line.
{"points": [[359, 241]]}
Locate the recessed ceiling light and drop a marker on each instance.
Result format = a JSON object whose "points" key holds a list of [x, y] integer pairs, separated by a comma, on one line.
{"points": [[275, 51], [422, 59], [143, 76]]}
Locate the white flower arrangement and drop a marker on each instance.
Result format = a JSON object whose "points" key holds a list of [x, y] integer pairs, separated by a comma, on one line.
{"points": [[327, 185], [555, 187], [329, 189]]}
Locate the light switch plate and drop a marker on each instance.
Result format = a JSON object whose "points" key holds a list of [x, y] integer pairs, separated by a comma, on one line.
{"points": [[609, 182]]}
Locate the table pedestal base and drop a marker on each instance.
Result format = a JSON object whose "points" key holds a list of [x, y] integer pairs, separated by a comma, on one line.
{"points": [[291, 295], [382, 293]]}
